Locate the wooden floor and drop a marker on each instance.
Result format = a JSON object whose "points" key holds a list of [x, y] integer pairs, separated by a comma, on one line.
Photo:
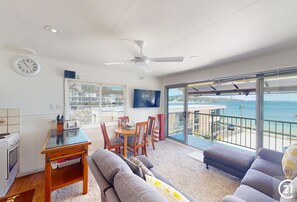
{"points": [[34, 181]]}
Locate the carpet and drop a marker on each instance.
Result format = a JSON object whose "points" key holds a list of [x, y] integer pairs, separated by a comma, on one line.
{"points": [[26, 196], [198, 155], [172, 161]]}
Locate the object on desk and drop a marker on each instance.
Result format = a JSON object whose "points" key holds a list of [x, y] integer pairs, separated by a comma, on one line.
{"points": [[71, 124], [60, 120]]}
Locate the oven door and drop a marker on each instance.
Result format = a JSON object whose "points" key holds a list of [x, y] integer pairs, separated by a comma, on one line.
{"points": [[12, 158]]}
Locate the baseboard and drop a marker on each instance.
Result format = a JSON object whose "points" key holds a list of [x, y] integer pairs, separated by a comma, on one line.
{"points": [[29, 173]]}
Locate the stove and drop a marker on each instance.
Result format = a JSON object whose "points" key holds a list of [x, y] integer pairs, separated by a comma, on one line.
{"points": [[9, 160]]}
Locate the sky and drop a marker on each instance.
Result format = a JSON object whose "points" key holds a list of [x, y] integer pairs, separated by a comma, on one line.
{"points": [[267, 97]]}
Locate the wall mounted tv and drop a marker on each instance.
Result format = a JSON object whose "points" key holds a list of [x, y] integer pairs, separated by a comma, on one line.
{"points": [[146, 98]]}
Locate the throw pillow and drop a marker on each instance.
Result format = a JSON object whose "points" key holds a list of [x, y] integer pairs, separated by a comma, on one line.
{"points": [[289, 162], [135, 168], [166, 190], [144, 169]]}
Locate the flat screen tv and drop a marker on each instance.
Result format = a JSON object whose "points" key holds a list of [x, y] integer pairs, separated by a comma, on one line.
{"points": [[146, 98]]}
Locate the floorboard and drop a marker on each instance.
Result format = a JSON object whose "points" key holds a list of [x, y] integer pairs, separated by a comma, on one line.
{"points": [[33, 181]]}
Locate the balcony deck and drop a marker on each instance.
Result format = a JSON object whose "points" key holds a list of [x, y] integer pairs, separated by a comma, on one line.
{"points": [[202, 143]]}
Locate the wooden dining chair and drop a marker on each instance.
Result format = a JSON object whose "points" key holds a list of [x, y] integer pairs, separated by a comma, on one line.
{"points": [[139, 139], [123, 119], [111, 143], [150, 130]]}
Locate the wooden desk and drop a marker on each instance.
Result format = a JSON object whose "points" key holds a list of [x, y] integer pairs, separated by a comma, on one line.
{"points": [[61, 145], [125, 133]]}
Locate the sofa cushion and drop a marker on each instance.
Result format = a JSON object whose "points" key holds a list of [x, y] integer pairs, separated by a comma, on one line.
{"points": [[101, 181], [144, 169], [109, 164], [289, 162], [269, 168], [166, 190], [145, 161], [262, 182], [135, 168], [250, 194], [131, 188], [111, 195], [160, 177], [271, 155]]}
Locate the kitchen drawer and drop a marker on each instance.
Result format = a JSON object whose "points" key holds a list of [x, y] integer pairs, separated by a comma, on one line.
{"points": [[3, 129], [13, 112], [3, 121], [3, 112], [13, 128], [13, 120]]}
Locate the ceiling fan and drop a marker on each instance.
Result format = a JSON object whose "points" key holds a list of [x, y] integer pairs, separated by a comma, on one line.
{"points": [[142, 60]]}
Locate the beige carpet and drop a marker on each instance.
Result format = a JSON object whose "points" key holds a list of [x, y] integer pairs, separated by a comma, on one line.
{"points": [[172, 161]]}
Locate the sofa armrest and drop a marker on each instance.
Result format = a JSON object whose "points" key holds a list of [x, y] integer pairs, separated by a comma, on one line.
{"points": [[145, 161], [231, 198], [271, 155]]}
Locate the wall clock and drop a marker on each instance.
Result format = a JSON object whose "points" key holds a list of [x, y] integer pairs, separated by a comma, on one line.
{"points": [[26, 66]]}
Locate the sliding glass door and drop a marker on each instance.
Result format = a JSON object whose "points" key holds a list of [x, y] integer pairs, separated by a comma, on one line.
{"points": [[176, 113]]}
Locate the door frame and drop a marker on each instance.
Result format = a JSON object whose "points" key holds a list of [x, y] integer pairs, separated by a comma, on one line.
{"points": [[185, 86]]}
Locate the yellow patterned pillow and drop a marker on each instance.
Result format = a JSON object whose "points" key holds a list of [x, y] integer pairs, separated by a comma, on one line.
{"points": [[289, 162], [166, 190]]}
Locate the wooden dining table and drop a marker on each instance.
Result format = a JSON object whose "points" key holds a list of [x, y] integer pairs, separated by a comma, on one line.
{"points": [[125, 132]]}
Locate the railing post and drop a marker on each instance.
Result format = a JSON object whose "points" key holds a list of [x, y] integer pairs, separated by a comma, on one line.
{"points": [[259, 112], [211, 128]]}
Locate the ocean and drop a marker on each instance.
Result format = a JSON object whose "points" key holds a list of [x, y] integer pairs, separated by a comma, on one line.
{"points": [[273, 110]]}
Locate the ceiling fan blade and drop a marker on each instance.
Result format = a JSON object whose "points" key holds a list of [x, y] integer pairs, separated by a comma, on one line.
{"points": [[133, 47], [118, 62], [167, 59]]}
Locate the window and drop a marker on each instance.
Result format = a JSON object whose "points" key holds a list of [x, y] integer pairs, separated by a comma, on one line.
{"points": [[90, 103]]}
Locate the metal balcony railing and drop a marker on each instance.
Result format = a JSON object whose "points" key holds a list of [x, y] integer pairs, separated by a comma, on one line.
{"points": [[240, 131]]}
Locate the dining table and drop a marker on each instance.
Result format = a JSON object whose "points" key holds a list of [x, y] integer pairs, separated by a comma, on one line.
{"points": [[122, 130]]}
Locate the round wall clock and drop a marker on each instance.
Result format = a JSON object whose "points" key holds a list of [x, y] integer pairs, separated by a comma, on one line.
{"points": [[26, 66]]}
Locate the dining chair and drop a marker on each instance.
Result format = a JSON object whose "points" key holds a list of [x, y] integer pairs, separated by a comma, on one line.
{"points": [[139, 139], [151, 130], [123, 119], [111, 143]]}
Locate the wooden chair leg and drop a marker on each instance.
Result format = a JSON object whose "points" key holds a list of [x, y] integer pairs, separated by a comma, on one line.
{"points": [[144, 151], [134, 152], [153, 143]]}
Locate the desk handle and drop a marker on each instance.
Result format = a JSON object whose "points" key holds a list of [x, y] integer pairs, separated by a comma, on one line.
{"points": [[66, 156]]}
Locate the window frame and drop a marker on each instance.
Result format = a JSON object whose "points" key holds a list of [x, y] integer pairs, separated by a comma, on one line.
{"points": [[101, 85]]}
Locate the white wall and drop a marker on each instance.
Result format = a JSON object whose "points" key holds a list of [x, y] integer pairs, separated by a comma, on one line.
{"points": [[277, 60], [33, 95]]}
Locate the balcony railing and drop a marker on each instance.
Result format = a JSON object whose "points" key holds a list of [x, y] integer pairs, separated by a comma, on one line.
{"points": [[241, 131]]}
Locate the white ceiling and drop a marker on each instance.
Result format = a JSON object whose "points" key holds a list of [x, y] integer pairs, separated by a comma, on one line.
{"points": [[214, 30]]}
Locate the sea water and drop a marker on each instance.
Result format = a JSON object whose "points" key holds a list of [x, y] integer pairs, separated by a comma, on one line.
{"points": [[273, 110]]}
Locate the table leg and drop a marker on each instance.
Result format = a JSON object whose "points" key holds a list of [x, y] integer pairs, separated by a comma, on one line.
{"points": [[48, 180], [85, 173], [125, 145]]}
